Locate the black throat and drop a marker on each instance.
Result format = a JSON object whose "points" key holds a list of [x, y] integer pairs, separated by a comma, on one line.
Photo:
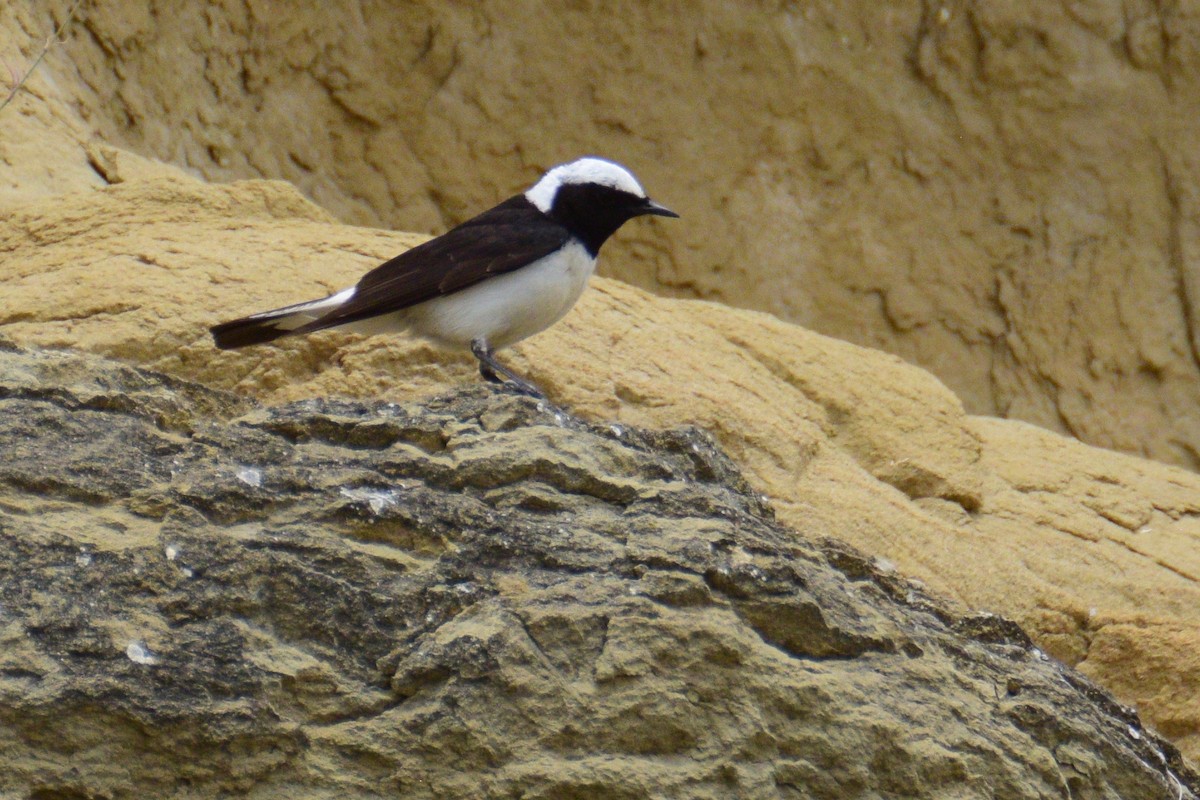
{"points": [[592, 212]]}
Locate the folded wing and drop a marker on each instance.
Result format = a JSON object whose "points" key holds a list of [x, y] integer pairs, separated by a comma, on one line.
{"points": [[500, 240]]}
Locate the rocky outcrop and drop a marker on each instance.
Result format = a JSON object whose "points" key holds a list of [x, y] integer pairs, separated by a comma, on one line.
{"points": [[478, 595], [1092, 552], [1000, 192], [1022, 208]]}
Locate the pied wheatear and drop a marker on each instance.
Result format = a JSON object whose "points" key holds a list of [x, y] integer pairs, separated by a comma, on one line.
{"points": [[496, 279]]}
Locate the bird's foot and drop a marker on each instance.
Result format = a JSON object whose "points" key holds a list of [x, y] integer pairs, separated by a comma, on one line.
{"points": [[495, 372], [489, 374]]}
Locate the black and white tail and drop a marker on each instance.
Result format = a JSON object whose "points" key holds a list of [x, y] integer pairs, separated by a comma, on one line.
{"points": [[271, 325]]}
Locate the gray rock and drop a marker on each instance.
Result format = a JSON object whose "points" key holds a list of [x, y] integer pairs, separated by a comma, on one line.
{"points": [[477, 595]]}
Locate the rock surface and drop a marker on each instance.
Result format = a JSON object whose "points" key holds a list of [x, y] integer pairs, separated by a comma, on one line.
{"points": [[476, 595], [1000, 192], [1092, 552]]}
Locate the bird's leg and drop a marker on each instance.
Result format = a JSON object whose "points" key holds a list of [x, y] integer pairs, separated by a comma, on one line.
{"points": [[492, 370], [488, 366]]}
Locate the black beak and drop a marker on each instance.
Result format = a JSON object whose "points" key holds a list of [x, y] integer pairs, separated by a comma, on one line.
{"points": [[651, 207]]}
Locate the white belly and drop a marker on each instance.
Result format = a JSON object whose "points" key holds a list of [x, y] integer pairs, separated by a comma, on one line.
{"points": [[509, 307]]}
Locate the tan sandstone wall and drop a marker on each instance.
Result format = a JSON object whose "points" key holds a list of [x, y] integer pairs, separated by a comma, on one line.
{"points": [[1000, 192]]}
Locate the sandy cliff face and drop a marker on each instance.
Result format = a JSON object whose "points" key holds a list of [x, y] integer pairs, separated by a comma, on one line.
{"points": [[1001, 193]]}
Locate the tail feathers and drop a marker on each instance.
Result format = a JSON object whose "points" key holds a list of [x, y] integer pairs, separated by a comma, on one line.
{"points": [[245, 332], [271, 325]]}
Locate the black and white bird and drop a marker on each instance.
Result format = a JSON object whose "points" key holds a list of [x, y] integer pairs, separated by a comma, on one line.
{"points": [[494, 280]]}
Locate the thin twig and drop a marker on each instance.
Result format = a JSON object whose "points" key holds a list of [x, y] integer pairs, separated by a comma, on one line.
{"points": [[12, 73], [55, 37]]}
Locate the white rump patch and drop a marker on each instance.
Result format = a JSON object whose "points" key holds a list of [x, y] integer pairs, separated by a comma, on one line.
{"points": [[582, 170], [322, 305], [292, 317]]}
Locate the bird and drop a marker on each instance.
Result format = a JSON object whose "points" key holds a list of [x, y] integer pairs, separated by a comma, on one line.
{"points": [[487, 283]]}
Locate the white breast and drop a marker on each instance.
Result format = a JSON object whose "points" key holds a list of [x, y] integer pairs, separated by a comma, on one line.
{"points": [[509, 307]]}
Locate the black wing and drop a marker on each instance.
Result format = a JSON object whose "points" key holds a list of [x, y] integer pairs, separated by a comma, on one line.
{"points": [[500, 240]]}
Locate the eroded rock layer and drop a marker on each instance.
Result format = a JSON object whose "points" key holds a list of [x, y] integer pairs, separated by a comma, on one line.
{"points": [[477, 595]]}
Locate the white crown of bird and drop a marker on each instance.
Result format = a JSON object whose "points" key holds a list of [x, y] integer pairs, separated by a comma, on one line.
{"points": [[582, 170]]}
